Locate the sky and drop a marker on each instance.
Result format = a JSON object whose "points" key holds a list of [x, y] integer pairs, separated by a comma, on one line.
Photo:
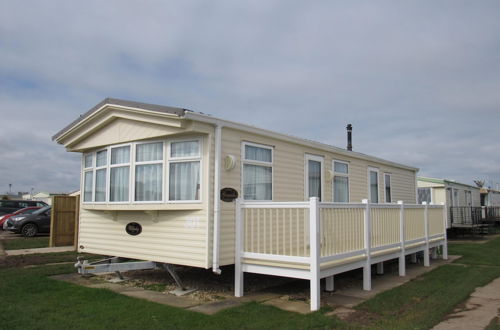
{"points": [[418, 80]]}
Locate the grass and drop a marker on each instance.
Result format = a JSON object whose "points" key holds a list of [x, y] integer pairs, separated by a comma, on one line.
{"points": [[25, 243], [36, 301], [425, 301]]}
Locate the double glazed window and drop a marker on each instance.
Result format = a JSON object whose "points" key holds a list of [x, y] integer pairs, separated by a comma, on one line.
{"points": [[136, 171], [424, 195], [340, 182], [257, 172]]}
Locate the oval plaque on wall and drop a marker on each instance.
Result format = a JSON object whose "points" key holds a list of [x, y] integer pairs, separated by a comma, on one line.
{"points": [[133, 228], [228, 194]]}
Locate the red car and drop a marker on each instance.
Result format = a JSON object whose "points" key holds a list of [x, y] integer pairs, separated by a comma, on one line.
{"points": [[26, 210]]}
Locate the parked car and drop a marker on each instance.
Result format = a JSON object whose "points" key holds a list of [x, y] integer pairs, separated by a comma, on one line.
{"points": [[11, 206], [31, 224], [26, 210]]}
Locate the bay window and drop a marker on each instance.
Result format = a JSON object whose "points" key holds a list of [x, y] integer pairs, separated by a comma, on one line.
{"points": [[139, 172], [257, 172], [340, 181]]}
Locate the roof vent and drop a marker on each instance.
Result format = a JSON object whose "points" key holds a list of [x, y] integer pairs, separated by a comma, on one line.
{"points": [[349, 137]]}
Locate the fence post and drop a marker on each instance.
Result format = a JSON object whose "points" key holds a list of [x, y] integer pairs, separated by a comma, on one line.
{"points": [[238, 273], [426, 227], [367, 268], [402, 256], [315, 252], [445, 222]]}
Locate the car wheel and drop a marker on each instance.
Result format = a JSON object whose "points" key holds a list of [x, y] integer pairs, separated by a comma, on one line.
{"points": [[29, 230]]}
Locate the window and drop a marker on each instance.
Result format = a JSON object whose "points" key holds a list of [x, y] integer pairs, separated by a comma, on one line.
{"points": [[88, 177], [100, 175], [340, 181], [257, 172], [119, 174], [424, 195], [149, 171], [387, 188], [314, 175], [184, 171], [373, 182]]}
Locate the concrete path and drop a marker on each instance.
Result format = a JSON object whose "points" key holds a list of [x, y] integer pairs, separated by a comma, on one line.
{"points": [[479, 310], [39, 250]]}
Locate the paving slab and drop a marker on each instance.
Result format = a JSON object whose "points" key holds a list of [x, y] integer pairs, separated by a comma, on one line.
{"points": [[161, 298], [290, 305], [215, 307], [40, 250], [479, 310]]}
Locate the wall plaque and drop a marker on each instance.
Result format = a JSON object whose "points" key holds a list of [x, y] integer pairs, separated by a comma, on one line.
{"points": [[228, 194]]}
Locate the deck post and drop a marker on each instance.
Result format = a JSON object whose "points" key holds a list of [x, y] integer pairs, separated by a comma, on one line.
{"points": [[380, 268], [238, 274], [367, 268], [315, 253], [445, 243], [427, 262], [402, 256], [330, 286]]}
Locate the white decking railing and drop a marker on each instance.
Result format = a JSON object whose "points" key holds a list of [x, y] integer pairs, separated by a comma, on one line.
{"points": [[275, 238]]}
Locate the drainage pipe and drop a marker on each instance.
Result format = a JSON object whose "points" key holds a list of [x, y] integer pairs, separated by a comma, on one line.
{"points": [[216, 237]]}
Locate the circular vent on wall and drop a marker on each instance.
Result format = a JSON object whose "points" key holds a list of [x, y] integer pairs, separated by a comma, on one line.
{"points": [[133, 228]]}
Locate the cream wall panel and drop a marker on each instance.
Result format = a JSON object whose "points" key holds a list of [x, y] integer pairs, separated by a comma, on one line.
{"points": [[177, 237], [289, 178]]}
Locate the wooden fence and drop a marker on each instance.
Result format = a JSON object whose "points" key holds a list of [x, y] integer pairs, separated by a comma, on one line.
{"points": [[64, 222]]}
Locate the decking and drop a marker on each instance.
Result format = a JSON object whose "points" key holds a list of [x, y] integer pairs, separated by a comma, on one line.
{"points": [[275, 238]]}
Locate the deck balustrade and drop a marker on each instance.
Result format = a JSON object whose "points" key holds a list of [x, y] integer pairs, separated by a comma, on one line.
{"points": [[313, 240]]}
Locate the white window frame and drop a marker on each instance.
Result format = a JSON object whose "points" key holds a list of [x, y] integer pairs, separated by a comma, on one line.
{"points": [[321, 160], [373, 169], [132, 168], [390, 186], [168, 160], [257, 163], [343, 175]]}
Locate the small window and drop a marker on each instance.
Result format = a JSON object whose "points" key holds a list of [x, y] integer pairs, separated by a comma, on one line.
{"points": [[387, 186], [101, 158], [424, 195], [257, 172], [119, 174], [87, 186], [149, 171], [184, 171], [340, 182], [373, 182]]}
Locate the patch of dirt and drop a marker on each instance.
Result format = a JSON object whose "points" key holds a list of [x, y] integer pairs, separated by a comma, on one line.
{"points": [[361, 317]]}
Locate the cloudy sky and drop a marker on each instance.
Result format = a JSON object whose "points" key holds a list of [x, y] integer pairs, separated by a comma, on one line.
{"points": [[419, 80]]}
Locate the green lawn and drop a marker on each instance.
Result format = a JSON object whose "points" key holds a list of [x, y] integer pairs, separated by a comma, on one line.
{"points": [[32, 300], [25, 243]]}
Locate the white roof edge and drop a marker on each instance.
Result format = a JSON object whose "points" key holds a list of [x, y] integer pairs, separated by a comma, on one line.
{"points": [[293, 139]]}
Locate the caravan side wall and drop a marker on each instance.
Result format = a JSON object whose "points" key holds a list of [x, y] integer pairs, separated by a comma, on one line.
{"points": [[289, 178]]}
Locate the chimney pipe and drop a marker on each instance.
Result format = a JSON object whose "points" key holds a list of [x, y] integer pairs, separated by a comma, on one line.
{"points": [[349, 137]]}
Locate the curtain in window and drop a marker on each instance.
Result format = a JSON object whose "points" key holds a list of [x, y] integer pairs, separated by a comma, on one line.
{"points": [[314, 178], [424, 195], [119, 182], [257, 183], [101, 159], [120, 155], [87, 186], [148, 179], [373, 187], [100, 185], [149, 152], [259, 154], [185, 149], [341, 189], [184, 181]]}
